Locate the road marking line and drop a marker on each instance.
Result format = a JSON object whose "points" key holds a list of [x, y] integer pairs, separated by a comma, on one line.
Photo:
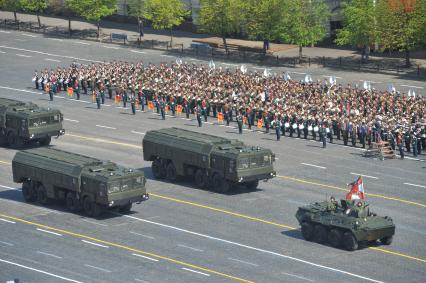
{"points": [[22, 90], [223, 211], [398, 254], [146, 257], [409, 184], [242, 261], [297, 276], [413, 86], [128, 248], [367, 176], [56, 39], [53, 60], [110, 47], [308, 164], [40, 271], [81, 42], [137, 51], [139, 133], [7, 163], [106, 127], [8, 221], [299, 73], [95, 244], [6, 243], [30, 35], [259, 68], [346, 190], [191, 248], [249, 247], [22, 55], [2, 52], [6, 187], [102, 140], [50, 54], [162, 55], [142, 235], [228, 64], [52, 255], [198, 272], [3, 31], [71, 120], [50, 232], [92, 222], [140, 280], [98, 268], [327, 76]]}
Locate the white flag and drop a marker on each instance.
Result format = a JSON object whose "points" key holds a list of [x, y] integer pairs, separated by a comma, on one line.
{"points": [[308, 78], [287, 76], [243, 69], [212, 65]]}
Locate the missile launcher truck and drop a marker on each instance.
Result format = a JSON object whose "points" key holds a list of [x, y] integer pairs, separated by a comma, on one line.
{"points": [[83, 182], [213, 162], [21, 123], [344, 225]]}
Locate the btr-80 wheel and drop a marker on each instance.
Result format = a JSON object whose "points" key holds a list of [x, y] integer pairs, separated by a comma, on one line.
{"points": [[320, 234], [349, 241], [335, 238], [307, 231], [386, 240]]}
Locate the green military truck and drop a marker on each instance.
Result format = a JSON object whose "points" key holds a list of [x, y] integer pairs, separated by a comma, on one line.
{"points": [[83, 182], [213, 162], [21, 123]]}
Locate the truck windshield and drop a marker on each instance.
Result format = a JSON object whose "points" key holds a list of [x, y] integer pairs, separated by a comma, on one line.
{"points": [[254, 161], [42, 121], [125, 184]]}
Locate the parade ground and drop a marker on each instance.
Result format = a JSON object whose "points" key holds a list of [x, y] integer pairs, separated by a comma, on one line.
{"points": [[184, 234]]}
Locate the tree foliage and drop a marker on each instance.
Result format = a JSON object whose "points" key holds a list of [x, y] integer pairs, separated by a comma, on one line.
{"points": [[359, 24], [304, 22], [12, 6], [136, 8], [35, 6]]}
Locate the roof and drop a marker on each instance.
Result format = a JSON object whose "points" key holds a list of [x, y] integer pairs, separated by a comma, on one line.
{"points": [[21, 108]]}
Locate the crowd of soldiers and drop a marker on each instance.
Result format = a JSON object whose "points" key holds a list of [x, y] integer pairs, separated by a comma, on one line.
{"points": [[317, 110]]}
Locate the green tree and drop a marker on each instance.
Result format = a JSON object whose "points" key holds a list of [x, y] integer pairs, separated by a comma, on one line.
{"points": [[263, 19], [401, 27], [13, 6], [359, 28], [304, 22], [92, 10], [35, 6], [165, 14], [220, 17], [136, 9]]}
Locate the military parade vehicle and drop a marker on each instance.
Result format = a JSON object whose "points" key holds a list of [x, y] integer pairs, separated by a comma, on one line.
{"points": [[83, 182], [344, 225], [21, 123], [213, 162]]}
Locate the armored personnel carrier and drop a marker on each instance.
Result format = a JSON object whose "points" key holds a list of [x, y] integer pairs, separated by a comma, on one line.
{"points": [[83, 182], [344, 225], [22, 123], [213, 162]]}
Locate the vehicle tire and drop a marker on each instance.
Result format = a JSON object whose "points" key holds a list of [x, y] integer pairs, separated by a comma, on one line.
{"points": [[252, 185], [335, 238], [157, 169], [171, 172], [42, 197], [72, 202], [219, 184], [28, 191], [307, 231], [386, 240], [91, 208], [45, 141], [14, 141], [320, 234], [349, 241], [200, 179], [126, 208]]}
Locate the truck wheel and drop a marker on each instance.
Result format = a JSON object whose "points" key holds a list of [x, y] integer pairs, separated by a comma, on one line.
{"points": [[45, 141], [219, 184], [335, 238], [252, 185], [28, 191], [349, 241], [42, 195], [14, 141], [126, 208], [71, 202], [200, 179], [386, 240], [307, 231], [91, 208], [171, 172], [320, 234], [157, 169]]}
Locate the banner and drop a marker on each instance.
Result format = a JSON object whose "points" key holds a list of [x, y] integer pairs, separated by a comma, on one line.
{"points": [[260, 123], [70, 91], [150, 105], [220, 117]]}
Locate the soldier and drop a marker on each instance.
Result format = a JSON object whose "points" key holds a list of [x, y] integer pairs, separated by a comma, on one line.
{"points": [[278, 128], [133, 103], [76, 89], [124, 97], [187, 110], [305, 129], [414, 144], [98, 98], [162, 106], [323, 135], [50, 89], [399, 138], [332, 204], [346, 129], [363, 133], [240, 123], [198, 113], [35, 79]]}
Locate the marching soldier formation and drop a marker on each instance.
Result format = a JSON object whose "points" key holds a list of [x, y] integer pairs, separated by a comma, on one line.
{"points": [[315, 110]]}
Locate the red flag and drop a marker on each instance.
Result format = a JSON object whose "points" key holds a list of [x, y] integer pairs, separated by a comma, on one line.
{"points": [[357, 190]]}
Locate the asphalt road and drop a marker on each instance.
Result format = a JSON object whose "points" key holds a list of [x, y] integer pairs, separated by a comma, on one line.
{"points": [[183, 234]]}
